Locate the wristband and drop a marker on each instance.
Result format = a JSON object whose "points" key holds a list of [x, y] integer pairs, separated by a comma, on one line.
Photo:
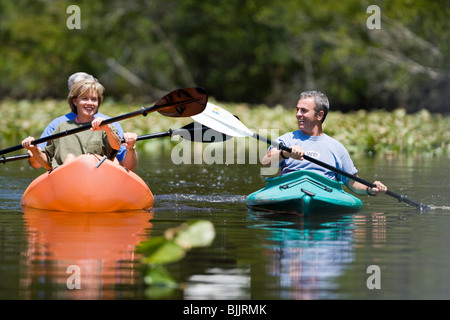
{"points": [[367, 190]]}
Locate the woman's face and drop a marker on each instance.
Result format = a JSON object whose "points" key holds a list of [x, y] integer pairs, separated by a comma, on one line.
{"points": [[87, 106]]}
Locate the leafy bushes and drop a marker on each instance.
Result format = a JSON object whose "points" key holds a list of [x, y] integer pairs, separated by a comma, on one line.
{"points": [[258, 52], [362, 132]]}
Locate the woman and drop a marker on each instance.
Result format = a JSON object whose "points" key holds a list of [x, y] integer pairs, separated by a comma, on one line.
{"points": [[84, 100], [127, 155]]}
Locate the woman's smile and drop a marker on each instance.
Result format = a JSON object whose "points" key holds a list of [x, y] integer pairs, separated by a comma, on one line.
{"points": [[87, 107]]}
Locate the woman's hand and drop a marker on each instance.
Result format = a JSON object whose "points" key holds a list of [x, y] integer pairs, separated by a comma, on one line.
{"points": [[97, 124], [37, 157], [26, 143], [130, 139], [113, 138]]}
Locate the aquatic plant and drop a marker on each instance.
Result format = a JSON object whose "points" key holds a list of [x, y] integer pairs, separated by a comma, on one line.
{"points": [[362, 132], [172, 247]]}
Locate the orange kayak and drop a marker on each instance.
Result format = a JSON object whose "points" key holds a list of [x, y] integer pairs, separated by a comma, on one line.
{"points": [[86, 184]]}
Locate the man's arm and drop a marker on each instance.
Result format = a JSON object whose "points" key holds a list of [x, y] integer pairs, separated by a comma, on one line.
{"points": [[362, 189]]}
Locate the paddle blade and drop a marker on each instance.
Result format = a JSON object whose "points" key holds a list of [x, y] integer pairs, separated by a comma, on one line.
{"points": [[197, 132], [221, 120], [183, 102]]}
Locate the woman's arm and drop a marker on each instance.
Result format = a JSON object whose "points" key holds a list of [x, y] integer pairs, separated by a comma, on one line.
{"points": [[37, 153], [113, 138], [130, 159]]}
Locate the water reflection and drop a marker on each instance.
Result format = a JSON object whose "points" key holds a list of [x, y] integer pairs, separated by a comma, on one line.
{"points": [[309, 254], [219, 284], [256, 255], [101, 245]]}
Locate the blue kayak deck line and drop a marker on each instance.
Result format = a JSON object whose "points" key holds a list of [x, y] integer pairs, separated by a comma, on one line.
{"points": [[303, 192]]}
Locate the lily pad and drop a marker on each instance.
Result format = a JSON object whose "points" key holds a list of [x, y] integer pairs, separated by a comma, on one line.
{"points": [[157, 275], [159, 250], [192, 234]]}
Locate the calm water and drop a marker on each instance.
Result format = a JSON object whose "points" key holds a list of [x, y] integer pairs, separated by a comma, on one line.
{"points": [[255, 255]]}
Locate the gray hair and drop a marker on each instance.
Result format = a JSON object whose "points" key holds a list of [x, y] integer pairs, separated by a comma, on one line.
{"points": [[78, 76], [320, 100]]}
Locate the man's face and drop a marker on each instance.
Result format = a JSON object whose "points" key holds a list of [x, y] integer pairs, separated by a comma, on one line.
{"points": [[308, 120]]}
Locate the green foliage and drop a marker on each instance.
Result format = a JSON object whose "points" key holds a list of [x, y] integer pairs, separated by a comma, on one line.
{"points": [[193, 234], [160, 250], [252, 51], [362, 132], [170, 248]]}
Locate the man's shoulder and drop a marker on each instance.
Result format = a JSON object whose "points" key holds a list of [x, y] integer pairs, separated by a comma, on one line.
{"points": [[332, 140], [288, 135], [66, 117], [104, 116], [98, 114], [66, 125], [335, 145], [55, 122]]}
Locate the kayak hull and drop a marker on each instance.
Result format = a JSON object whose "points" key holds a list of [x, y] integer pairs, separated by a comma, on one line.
{"points": [[86, 184], [303, 192]]}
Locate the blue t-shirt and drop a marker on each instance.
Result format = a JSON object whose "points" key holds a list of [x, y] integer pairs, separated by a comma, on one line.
{"points": [[323, 148], [70, 116]]}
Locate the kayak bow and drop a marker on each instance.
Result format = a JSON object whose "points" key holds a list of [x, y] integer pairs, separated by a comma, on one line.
{"points": [[88, 184], [303, 192]]}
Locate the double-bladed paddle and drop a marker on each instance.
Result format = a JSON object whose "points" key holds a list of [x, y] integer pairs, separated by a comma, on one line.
{"points": [[192, 132], [179, 103], [223, 121], [4, 159]]}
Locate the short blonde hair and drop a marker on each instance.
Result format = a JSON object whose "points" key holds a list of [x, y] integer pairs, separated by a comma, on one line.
{"points": [[83, 88]]}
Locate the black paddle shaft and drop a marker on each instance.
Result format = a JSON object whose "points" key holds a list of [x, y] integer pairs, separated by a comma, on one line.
{"points": [[168, 106], [87, 126], [186, 132], [400, 198], [15, 158], [76, 130]]}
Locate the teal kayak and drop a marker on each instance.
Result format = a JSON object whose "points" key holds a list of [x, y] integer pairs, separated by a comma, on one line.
{"points": [[303, 192]]}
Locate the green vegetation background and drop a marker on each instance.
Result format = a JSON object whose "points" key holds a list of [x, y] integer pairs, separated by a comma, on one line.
{"points": [[375, 132], [389, 88], [244, 51]]}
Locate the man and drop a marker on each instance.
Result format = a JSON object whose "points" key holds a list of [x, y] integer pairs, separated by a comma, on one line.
{"points": [[127, 155], [312, 109]]}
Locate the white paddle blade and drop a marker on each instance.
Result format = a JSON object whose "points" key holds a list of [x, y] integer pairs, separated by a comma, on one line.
{"points": [[221, 120]]}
